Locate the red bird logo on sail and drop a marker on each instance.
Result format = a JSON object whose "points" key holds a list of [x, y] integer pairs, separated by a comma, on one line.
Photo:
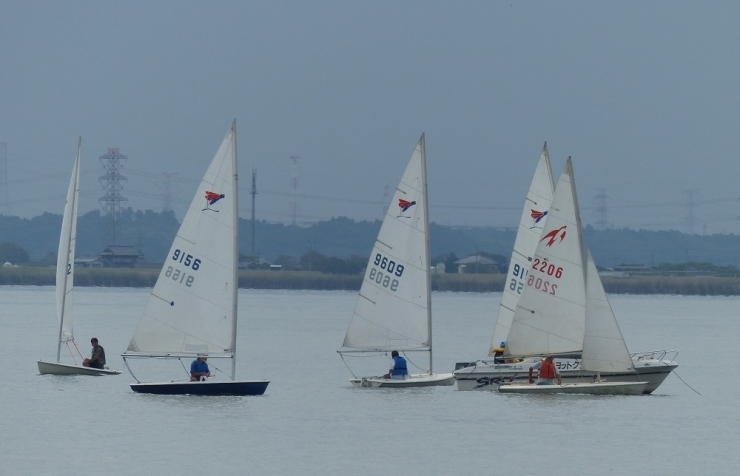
{"points": [[538, 215], [211, 198], [555, 236], [404, 205]]}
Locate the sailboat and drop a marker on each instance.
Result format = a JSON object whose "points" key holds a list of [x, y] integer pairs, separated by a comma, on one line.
{"points": [[536, 208], [563, 307], [488, 374], [65, 284], [394, 307], [192, 310], [534, 215]]}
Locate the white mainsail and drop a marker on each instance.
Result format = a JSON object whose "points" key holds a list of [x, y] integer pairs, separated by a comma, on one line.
{"points": [[604, 349], [550, 315], [66, 257], [536, 208], [393, 310], [192, 308]]}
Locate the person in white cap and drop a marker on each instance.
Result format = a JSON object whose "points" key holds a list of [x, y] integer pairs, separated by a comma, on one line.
{"points": [[199, 370]]}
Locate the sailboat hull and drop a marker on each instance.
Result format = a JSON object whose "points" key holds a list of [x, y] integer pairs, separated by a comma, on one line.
{"points": [[209, 387], [597, 388], [58, 368], [418, 380], [488, 376]]}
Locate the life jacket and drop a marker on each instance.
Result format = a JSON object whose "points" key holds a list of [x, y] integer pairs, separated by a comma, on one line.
{"points": [[101, 360], [547, 370], [400, 367]]}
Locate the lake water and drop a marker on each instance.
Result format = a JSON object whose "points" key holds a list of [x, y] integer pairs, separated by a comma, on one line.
{"points": [[312, 422]]}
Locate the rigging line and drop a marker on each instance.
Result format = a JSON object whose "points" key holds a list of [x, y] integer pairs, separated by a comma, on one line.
{"points": [[183, 367], [684, 382], [227, 375], [78, 349], [412, 363], [347, 365], [125, 362], [70, 353], [475, 365]]}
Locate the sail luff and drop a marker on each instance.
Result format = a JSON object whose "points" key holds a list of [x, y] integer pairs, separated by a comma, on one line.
{"points": [[65, 253], [235, 287], [534, 215]]}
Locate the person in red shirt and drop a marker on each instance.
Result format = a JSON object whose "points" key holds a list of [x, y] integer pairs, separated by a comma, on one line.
{"points": [[547, 372]]}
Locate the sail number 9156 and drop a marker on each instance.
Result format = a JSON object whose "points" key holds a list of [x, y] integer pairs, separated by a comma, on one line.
{"points": [[187, 260], [392, 270], [182, 276]]}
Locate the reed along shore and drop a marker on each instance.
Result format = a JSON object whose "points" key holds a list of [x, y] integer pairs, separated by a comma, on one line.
{"points": [[312, 280]]}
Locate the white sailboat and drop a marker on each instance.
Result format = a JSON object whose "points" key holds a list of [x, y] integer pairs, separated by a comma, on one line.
{"points": [[536, 208], [65, 284], [192, 310], [488, 374], [559, 314], [394, 307]]}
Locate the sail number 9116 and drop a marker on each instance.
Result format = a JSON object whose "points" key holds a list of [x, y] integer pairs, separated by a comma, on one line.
{"points": [[518, 273], [388, 272], [177, 274]]}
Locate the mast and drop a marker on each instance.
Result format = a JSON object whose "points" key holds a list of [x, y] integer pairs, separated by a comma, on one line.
{"points": [[235, 286], [254, 195], [428, 271], [76, 179]]}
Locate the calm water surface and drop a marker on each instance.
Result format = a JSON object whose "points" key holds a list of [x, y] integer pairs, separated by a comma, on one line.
{"points": [[312, 422]]}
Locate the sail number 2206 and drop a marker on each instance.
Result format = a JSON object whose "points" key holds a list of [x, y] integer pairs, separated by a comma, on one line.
{"points": [[550, 271], [387, 274], [183, 276]]}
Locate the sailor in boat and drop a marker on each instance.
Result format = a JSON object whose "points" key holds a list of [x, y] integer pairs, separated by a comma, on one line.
{"points": [[399, 370], [498, 353], [547, 372], [97, 359], [199, 370]]}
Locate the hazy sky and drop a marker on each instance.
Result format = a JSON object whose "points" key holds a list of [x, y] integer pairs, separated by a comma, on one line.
{"points": [[643, 95]]}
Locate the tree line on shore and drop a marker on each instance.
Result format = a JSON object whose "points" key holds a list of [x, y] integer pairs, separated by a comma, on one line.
{"points": [[315, 280], [35, 240]]}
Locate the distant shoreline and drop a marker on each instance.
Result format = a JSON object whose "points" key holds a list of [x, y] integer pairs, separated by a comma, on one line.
{"points": [[312, 280]]}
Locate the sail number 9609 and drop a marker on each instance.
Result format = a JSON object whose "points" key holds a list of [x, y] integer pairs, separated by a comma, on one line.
{"points": [[388, 265], [387, 274]]}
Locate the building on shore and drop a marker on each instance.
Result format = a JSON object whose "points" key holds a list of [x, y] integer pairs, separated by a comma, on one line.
{"points": [[122, 256]]}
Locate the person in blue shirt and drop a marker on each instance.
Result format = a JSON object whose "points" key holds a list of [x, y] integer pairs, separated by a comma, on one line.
{"points": [[199, 369], [399, 370]]}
